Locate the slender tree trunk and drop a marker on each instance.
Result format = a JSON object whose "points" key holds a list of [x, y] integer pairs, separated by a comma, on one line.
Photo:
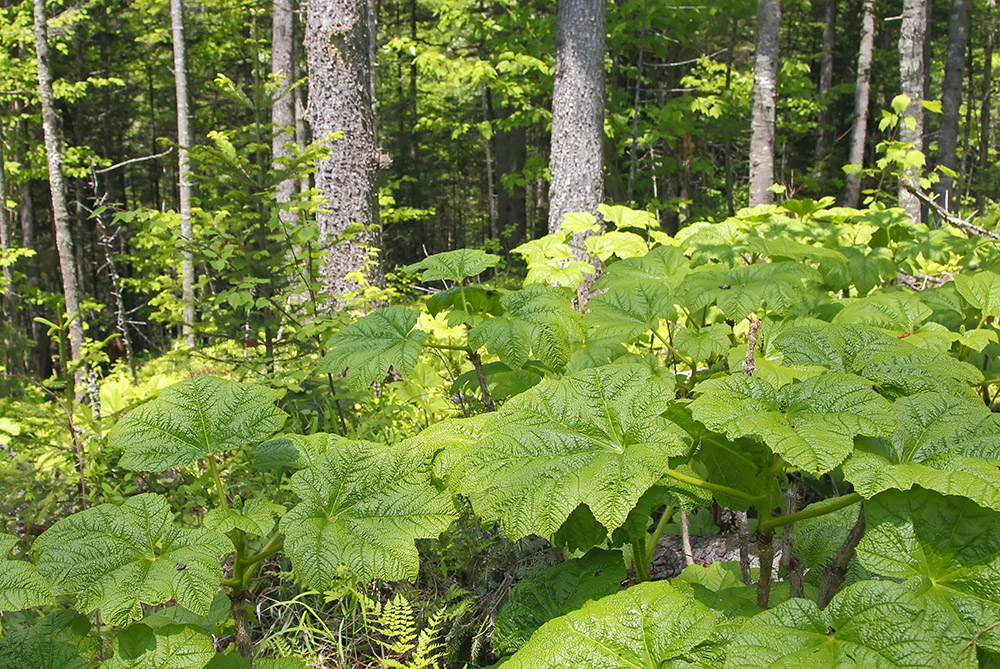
{"points": [[576, 159], [57, 186], [765, 85], [911, 74], [859, 131], [26, 213], [283, 107], [341, 98], [951, 101], [5, 246], [512, 148], [825, 82], [985, 109], [185, 188]]}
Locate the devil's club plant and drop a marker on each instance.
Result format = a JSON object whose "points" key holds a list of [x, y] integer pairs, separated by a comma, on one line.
{"points": [[774, 359]]}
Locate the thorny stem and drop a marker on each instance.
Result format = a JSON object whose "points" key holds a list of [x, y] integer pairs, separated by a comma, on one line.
{"points": [[477, 363], [834, 573]]}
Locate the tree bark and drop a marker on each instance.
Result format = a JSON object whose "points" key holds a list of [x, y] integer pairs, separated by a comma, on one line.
{"points": [[862, 90], [283, 107], [185, 188], [985, 109], [765, 85], [911, 73], [576, 158], [825, 82], [57, 186], [341, 98], [951, 101]]}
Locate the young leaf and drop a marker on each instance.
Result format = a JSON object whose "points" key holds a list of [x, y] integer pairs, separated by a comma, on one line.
{"points": [[703, 344], [171, 647], [949, 547], [369, 346], [872, 624], [555, 592], [811, 424], [193, 418], [538, 320], [643, 627], [61, 640], [363, 505], [116, 558], [453, 266], [594, 437], [943, 443]]}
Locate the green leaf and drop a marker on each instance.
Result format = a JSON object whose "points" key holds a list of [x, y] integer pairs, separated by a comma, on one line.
{"points": [[899, 314], [194, 418], [577, 222], [595, 437], [555, 592], [981, 290], [949, 547], [623, 217], [290, 450], [453, 265], [744, 290], [703, 344], [872, 624], [538, 320], [171, 647], [743, 464], [371, 345], [895, 366], [363, 505], [61, 640], [621, 244], [871, 269], [818, 539], [811, 424], [943, 443], [117, 557], [625, 313], [256, 517], [645, 626], [22, 587]]}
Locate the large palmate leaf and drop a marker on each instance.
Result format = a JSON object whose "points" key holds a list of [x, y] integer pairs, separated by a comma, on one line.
{"points": [[811, 425], [981, 290], [555, 592], [945, 443], [454, 265], [744, 290], [368, 347], [702, 344], [899, 314], [664, 265], [61, 640], [644, 627], [363, 505], [538, 320], [948, 547], [869, 625], [627, 312], [21, 586], [595, 437], [171, 647], [256, 516], [193, 418], [895, 366], [869, 269], [117, 557]]}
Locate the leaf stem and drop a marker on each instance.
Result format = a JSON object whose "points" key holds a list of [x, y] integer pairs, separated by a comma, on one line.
{"points": [[668, 512], [213, 470], [448, 347], [275, 544], [639, 559], [818, 510], [677, 354], [714, 487]]}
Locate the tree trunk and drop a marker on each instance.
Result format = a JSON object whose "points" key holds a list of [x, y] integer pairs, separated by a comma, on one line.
{"points": [[512, 150], [911, 74], [57, 186], [985, 109], [185, 187], [341, 98], [283, 107], [5, 246], [825, 82], [951, 101], [765, 85], [576, 159], [859, 132]]}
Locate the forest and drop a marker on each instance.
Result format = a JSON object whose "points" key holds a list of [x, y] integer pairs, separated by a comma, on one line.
{"points": [[459, 334]]}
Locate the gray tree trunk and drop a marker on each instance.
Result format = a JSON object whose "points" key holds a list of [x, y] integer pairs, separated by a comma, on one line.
{"points": [[576, 160], [985, 109], [951, 101], [183, 168], [911, 74], [283, 107], [765, 86], [512, 148], [341, 99], [825, 82], [57, 186], [862, 91]]}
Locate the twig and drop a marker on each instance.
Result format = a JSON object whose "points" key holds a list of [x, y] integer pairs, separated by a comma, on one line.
{"points": [[834, 573], [139, 159], [950, 218], [743, 538], [753, 335], [790, 562], [686, 538]]}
